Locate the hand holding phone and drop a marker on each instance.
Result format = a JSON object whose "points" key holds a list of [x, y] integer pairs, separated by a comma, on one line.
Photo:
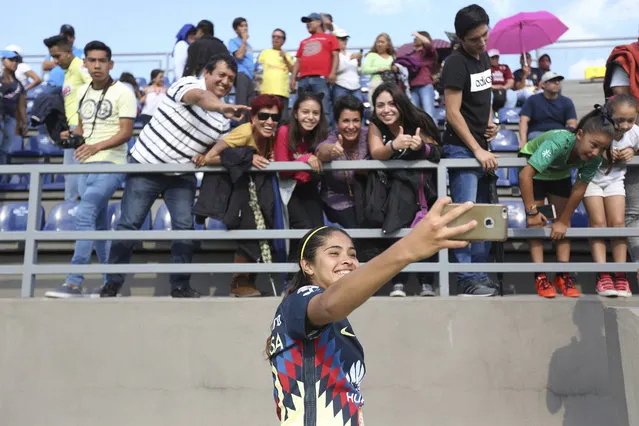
{"points": [[492, 222]]}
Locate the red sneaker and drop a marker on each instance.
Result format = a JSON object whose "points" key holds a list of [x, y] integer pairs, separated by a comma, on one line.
{"points": [[544, 288], [605, 286], [622, 286], [566, 284]]}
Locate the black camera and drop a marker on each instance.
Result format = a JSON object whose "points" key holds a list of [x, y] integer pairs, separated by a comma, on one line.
{"points": [[72, 142]]}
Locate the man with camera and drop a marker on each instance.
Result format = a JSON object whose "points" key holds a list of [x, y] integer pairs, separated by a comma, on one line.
{"points": [[188, 122], [75, 75], [106, 111]]}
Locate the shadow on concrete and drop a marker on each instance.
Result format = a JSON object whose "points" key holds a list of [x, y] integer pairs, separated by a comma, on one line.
{"points": [[582, 392]]}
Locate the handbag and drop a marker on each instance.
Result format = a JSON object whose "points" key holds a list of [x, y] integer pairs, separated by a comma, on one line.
{"points": [[423, 210]]}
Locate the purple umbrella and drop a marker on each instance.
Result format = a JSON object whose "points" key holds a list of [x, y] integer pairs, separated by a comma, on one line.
{"points": [[525, 31]]}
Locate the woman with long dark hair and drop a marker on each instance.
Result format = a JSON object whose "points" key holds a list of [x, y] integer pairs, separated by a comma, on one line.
{"points": [[13, 105], [297, 141], [400, 130], [313, 318]]}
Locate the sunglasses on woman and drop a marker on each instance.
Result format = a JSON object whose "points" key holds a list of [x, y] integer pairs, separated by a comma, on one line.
{"points": [[263, 116]]}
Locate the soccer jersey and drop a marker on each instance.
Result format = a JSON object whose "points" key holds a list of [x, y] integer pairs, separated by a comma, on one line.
{"points": [[549, 154], [316, 373]]}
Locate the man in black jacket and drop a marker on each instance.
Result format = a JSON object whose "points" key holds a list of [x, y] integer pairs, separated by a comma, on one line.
{"points": [[201, 50]]}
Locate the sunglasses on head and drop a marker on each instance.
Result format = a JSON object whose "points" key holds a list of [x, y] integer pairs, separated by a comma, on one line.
{"points": [[263, 116]]}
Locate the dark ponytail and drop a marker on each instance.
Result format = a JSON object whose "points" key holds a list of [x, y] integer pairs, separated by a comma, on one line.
{"points": [[311, 242], [599, 121]]}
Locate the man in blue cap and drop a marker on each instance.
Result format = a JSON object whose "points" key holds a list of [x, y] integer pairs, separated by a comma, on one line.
{"points": [[317, 60]]}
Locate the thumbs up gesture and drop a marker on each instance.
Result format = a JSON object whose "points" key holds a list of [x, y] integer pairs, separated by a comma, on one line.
{"points": [[338, 148], [416, 142]]}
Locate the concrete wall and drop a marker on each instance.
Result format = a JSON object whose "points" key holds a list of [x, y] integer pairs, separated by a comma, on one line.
{"points": [[622, 336], [160, 362]]}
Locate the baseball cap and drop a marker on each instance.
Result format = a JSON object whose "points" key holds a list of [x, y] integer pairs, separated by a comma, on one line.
{"points": [[68, 30], [14, 48], [550, 75], [340, 33], [8, 54], [493, 52], [312, 17]]}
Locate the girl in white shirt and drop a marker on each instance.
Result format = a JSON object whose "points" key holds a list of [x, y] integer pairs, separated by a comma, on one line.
{"points": [[605, 198], [153, 96]]}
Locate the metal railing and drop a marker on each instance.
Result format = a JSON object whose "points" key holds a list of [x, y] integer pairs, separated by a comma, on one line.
{"points": [[31, 237]]}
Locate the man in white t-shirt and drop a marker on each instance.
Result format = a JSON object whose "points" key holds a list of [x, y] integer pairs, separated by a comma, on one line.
{"points": [[106, 111], [188, 122]]}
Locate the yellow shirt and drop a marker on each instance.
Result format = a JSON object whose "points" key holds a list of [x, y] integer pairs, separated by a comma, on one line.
{"points": [[74, 77], [243, 136], [275, 74], [119, 102]]}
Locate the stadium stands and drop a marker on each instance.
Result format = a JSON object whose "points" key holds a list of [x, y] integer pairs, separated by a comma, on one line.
{"points": [[13, 217], [62, 217], [505, 141]]}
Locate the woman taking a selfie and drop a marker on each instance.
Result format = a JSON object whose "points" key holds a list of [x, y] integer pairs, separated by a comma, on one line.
{"points": [[313, 316]]}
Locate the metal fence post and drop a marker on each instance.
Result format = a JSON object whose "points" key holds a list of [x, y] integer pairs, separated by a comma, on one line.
{"points": [[30, 244], [444, 272]]}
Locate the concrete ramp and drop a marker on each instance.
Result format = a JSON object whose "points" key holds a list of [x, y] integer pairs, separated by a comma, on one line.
{"points": [[160, 362]]}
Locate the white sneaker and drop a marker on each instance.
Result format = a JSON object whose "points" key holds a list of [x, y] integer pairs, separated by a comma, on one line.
{"points": [[427, 291], [398, 291]]}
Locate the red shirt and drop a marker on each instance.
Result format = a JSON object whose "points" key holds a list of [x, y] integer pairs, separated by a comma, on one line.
{"points": [[281, 152], [315, 55], [501, 74]]}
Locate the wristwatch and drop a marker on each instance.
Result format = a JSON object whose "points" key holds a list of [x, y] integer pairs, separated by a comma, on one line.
{"points": [[532, 211]]}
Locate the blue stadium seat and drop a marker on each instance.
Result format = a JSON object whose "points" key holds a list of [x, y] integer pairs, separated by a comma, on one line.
{"points": [[513, 176], [509, 115], [15, 183], [503, 177], [440, 113], [162, 220], [130, 143], [364, 80], [579, 218], [62, 217], [53, 182], [41, 146], [516, 214], [29, 106], [36, 91], [215, 225], [13, 217], [113, 215], [17, 145], [505, 141], [141, 82], [167, 82]]}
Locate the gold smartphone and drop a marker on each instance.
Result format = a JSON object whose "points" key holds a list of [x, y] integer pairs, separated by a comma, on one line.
{"points": [[492, 222]]}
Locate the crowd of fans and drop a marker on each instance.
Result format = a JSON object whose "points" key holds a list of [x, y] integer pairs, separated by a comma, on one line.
{"points": [[190, 122]]}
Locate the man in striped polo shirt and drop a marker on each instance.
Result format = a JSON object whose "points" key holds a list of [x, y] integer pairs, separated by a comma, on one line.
{"points": [[188, 122]]}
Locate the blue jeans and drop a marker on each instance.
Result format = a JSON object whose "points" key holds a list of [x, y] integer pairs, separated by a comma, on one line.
{"points": [[339, 91], [533, 135], [91, 215], [71, 184], [318, 85], [424, 97], [468, 185], [140, 192], [7, 135]]}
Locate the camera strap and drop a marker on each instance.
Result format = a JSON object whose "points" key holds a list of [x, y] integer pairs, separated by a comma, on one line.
{"points": [[97, 108]]}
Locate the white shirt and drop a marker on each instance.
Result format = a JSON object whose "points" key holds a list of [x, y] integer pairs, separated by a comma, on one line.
{"points": [[152, 102], [618, 171], [347, 72], [21, 73], [180, 54], [619, 77], [178, 131]]}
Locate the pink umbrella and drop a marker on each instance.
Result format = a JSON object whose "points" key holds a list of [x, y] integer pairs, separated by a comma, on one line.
{"points": [[525, 31]]}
